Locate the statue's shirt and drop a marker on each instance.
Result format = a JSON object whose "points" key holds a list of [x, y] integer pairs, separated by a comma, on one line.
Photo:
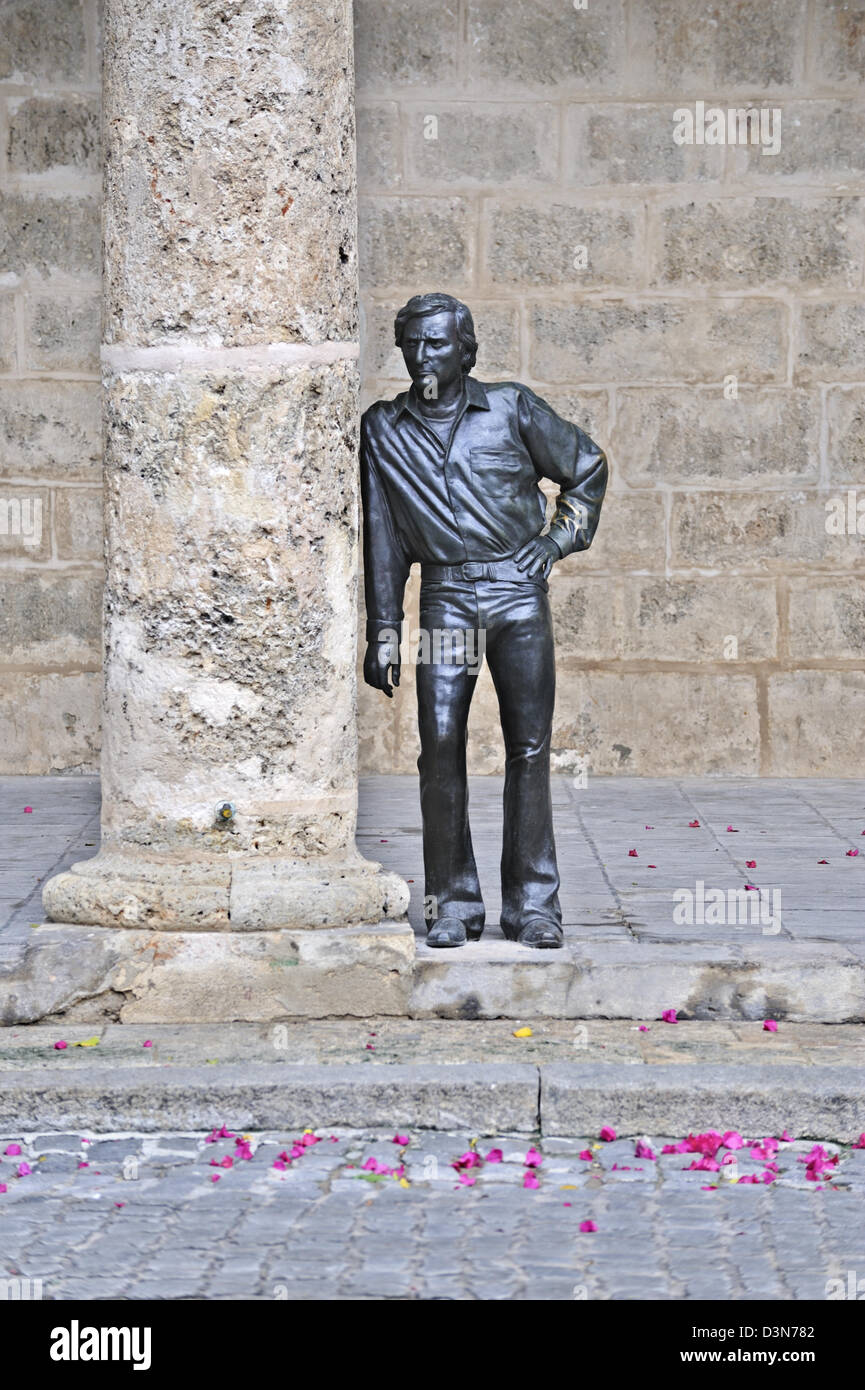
{"points": [[478, 498]]}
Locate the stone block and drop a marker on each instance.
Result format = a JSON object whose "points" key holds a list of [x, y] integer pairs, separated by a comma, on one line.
{"points": [[405, 43], [752, 242], [208, 173], [497, 328], [379, 146], [61, 332], [78, 523], [587, 617], [630, 536], [25, 523], [50, 429], [694, 619], [827, 618], [216, 976], [767, 436], [831, 342], [692, 44], [653, 340], [775, 532], [414, 241], [542, 43], [822, 142], [845, 412], [49, 723], [41, 41], [45, 233], [549, 243], [54, 132], [840, 44], [50, 618], [815, 723], [652, 724], [482, 143], [632, 144]]}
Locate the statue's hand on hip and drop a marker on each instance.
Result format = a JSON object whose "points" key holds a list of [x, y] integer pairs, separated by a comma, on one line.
{"points": [[537, 556], [381, 665]]}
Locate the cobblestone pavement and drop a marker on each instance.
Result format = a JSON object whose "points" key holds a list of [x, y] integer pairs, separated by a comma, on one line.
{"points": [[145, 1219]]}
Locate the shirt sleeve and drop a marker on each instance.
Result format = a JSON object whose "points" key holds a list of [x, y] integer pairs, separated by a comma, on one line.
{"points": [[565, 453], [385, 563]]}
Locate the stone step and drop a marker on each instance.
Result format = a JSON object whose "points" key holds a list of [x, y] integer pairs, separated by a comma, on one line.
{"points": [[563, 1079], [771, 978]]}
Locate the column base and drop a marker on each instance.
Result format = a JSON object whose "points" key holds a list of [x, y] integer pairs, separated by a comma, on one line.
{"points": [[234, 894], [90, 974]]}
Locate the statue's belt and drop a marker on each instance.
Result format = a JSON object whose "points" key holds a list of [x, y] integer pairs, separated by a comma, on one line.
{"points": [[473, 570]]}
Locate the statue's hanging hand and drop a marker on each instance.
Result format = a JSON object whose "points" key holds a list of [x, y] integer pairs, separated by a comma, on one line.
{"points": [[381, 664]]}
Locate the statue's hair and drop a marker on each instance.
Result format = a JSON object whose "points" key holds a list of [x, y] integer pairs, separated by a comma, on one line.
{"points": [[420, 305]]}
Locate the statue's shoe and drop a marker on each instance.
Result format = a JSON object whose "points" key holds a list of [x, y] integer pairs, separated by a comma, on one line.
{"points": [[541, 933], [451, 931]]}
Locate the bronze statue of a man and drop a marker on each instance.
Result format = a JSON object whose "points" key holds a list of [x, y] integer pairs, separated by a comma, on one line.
{"points": [[449, 476]]}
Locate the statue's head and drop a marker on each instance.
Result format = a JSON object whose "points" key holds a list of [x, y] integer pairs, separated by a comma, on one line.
{"points": [[437, 336]]}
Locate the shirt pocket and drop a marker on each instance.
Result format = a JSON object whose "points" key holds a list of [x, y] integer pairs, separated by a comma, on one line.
{"points": [[503, 466]]}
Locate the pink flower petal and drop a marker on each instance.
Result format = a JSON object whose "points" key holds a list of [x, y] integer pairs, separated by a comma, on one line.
{"points": [[216, 1177], [400, 1139], [28, 810], [750, 863], [59, 1046], [586, 1155], [149, 1043], [530, 1179], [632, 854], [733, 1140], [644, 1150], [83, 1164], [12, 1150], [494, 1156], [693, 825], [731, 831], [669, 1016], [608, 1134], [3, 1187], [860, 1142], [644, 1028], [852, 853], [588, 1226], [822, 861], [770, 1026], [533, 1159], [24, 1170]]}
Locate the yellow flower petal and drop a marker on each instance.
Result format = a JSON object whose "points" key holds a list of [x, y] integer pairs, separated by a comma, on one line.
{"points": [[522, 1032], [88, 1042], [404, 1182]]}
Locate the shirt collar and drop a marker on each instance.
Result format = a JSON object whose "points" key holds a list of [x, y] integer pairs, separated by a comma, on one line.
{"points": [[475, 395]]}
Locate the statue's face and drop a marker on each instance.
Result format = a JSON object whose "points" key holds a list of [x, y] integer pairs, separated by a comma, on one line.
{"points": [[431, 349]]}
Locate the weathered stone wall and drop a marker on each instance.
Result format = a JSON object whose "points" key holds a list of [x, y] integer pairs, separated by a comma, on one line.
{"points": [[554, 132], [50, 472], [715, 626]]}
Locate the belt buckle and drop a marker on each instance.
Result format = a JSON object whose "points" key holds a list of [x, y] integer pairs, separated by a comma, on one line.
{"points": [[473, 570]]}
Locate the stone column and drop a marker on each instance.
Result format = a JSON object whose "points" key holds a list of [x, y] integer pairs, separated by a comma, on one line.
{"points": [[231, 412]]}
